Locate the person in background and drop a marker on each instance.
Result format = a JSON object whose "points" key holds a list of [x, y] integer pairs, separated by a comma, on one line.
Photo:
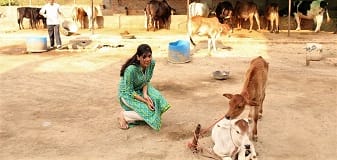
{"points": [[51, 11], [139, 99]]}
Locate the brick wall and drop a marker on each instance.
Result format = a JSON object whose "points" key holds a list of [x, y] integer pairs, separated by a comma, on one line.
{"points": [[137, 7]]}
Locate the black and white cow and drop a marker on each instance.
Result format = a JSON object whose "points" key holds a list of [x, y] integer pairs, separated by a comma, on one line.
{"points": [[224, 12], [311, 10], [32, 14]]}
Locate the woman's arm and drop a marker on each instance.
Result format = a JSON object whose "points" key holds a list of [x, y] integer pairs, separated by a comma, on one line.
{"points": [[147, 97], [145, 100]]}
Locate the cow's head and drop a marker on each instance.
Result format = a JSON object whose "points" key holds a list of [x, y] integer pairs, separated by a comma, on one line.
{"points": [[242, 127], [324, 6], [237, 103]]}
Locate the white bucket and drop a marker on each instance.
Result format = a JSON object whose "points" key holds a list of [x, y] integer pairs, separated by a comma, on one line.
{"points": [[36, 44]]}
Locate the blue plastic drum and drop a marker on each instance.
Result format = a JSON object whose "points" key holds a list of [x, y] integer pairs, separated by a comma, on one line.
{"points": [[179, 52], [36, 44]]}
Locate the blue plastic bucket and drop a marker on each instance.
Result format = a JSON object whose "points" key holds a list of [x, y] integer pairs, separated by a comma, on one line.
{"points": [[179, 52], [36, 44]]}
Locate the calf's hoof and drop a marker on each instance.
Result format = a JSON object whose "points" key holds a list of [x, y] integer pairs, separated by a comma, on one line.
{"points": [[255, 138]]}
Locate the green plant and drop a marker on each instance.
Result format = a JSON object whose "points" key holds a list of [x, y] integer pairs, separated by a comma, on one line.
{"points": [[8, 2]]}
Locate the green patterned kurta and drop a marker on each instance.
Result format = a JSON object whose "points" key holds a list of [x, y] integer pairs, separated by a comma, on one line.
{"points": [[131, 84]]}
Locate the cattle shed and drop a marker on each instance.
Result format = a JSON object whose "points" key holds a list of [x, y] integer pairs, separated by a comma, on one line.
{"points": [[132, 7], [130, 13]]}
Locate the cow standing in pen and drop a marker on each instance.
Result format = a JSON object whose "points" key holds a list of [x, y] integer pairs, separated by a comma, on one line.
{"points": [[244, 10], [32, 14], [224, 12], [310, 10], [157, 12], [271, 16], [79, 15]]}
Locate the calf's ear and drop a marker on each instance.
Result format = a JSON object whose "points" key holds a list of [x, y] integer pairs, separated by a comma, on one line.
{"points": [[228, 95]]}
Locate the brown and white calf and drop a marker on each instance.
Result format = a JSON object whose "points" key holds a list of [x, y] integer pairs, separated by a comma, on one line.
{"points": [[79, 15], [253, 94], [210, 27], [231, 140]]}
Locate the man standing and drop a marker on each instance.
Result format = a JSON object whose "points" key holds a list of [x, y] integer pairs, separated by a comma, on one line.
{"points": [[51, 11]]}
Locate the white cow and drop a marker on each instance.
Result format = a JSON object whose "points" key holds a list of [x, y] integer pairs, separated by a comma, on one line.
{"points": [[198, 9], [231, 140], [92, 15], [311, 10]]}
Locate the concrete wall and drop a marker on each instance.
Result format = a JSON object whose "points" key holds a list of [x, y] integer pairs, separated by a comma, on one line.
{"points": [[119, 21], [116, 21]]}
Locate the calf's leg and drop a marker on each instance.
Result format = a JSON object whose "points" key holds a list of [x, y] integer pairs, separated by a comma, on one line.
{"points": [[255, 119]]}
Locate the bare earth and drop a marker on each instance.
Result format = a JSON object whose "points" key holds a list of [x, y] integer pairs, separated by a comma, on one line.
{"points": [[63, 105]]}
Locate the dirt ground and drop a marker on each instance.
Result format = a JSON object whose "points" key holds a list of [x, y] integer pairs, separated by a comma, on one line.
{"points": [[63, 104]]}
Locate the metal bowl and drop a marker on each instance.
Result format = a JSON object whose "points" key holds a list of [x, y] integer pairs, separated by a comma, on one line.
{"points": [[221, 75]]}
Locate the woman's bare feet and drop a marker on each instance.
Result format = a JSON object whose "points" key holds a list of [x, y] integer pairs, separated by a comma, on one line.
{"points": [[123, 124]]}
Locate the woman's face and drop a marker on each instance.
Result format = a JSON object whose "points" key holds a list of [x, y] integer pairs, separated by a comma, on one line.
{"points": [[145, 59]]}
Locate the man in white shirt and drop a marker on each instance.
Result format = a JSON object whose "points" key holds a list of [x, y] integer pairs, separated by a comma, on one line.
{"points": [[51, 11]]}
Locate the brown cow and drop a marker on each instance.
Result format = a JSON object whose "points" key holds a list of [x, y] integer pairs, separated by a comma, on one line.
{"points": [[157, 13], [253, 94], [211, 27], [79, 15], [271, 16], [244, 10]]}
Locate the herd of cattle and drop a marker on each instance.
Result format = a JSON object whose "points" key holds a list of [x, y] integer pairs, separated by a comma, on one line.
{"points": [[158, 14], [79, 14], [203, 21]]}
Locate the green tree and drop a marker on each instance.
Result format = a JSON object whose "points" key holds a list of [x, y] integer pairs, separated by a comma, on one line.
{"points": [[6, 2]]}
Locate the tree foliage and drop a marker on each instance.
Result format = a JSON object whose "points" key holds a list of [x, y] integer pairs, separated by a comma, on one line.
{"points": [[8, 2]]}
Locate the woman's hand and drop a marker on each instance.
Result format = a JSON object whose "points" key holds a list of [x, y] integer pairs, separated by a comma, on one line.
{"points": [[149, 102]]}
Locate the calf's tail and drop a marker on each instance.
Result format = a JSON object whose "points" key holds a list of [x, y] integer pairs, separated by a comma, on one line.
{"points": [[192, 41], [327, 16]]}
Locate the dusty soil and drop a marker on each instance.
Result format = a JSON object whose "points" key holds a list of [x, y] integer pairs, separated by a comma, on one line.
{"points": [[63, 104]]}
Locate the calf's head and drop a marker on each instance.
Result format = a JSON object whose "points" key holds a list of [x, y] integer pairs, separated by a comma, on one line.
{"points": [[226, 29], [237, 103]]}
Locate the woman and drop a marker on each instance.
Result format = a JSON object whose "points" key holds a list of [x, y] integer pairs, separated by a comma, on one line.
{"points": [[139, 99]]}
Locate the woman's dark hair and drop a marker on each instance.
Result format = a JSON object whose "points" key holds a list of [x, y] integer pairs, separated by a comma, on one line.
{"points": [[143, 48]]}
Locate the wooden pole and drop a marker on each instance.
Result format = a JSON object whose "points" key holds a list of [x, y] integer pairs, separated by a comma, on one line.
{"points": [[188, 15], [289, 13], [92, 16]]}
